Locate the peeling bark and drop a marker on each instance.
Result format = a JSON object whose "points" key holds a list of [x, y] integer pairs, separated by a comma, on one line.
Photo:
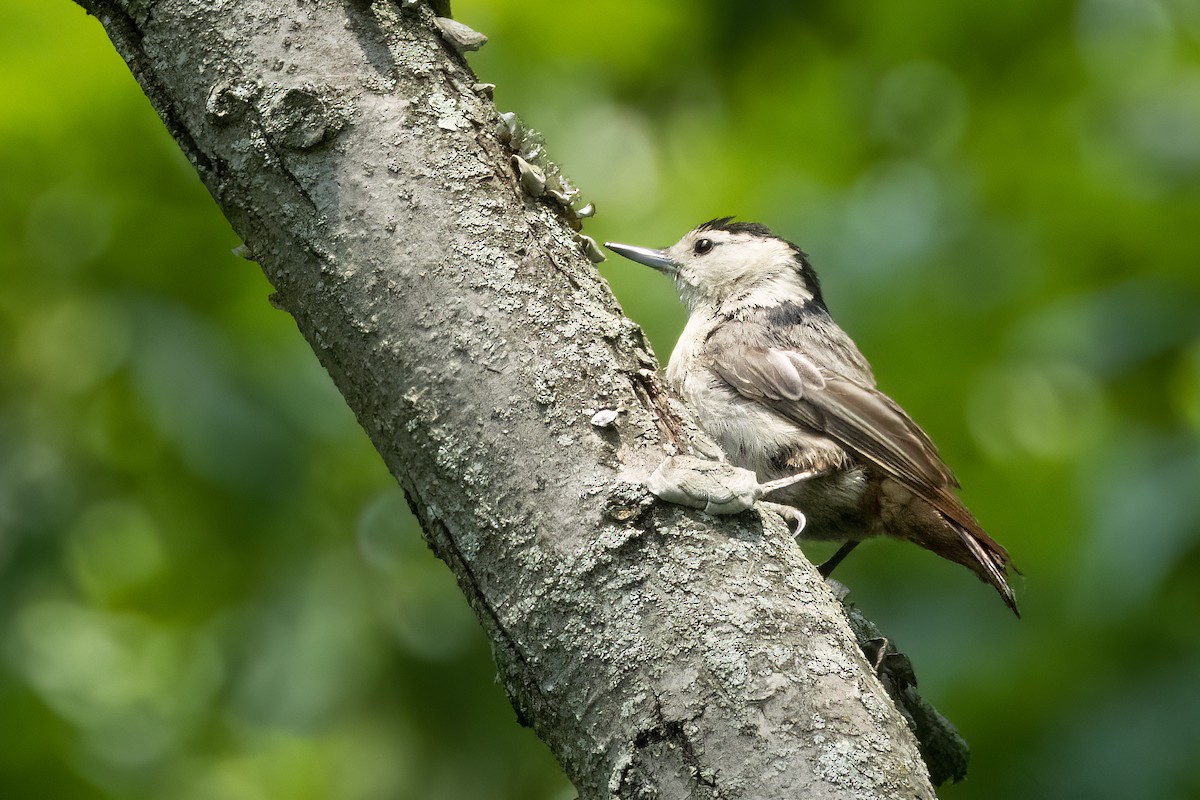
{"points": [[660, 653]]}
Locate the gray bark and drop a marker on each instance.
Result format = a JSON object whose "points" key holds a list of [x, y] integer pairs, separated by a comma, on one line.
{"points": [[657, 651]]}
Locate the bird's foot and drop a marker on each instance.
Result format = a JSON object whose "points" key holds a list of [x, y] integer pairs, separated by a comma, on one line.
{"points": [[715, 486], [794, 518], [789, 480], [876, 651], [831, 563], [720, 488]]}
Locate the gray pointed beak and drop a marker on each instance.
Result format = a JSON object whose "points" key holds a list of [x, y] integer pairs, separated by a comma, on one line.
{"points": [[644, 255]]}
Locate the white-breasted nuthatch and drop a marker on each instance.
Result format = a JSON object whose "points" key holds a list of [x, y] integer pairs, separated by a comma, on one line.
{"points": [[785, 391]]}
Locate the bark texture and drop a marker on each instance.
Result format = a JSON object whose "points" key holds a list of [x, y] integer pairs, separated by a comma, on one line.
{"points": [[659, 652]]}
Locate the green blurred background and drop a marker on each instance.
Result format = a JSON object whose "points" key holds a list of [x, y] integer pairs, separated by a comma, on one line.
{"points": [[211, 588]]}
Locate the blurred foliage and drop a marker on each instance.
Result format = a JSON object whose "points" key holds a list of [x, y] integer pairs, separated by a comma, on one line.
{"points": [[210, 588]]}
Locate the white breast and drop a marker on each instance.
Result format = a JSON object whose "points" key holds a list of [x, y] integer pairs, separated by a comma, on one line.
{"points": [[751, 434]]}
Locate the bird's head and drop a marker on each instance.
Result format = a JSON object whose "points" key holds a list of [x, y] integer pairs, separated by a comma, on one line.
{"points": [[729, 265]]}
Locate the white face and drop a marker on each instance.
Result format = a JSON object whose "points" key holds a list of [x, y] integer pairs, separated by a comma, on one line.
{"points": [[718, 267]]}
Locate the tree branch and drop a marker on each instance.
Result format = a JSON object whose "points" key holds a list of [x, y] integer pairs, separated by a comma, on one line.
{"points": [[659, 652]]}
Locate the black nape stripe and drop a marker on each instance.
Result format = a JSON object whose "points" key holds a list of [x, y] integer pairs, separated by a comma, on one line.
{"points": [[756, 229], [786, 314]]}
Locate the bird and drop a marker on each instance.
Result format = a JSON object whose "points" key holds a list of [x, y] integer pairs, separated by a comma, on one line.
{"points": [[786, 392]]}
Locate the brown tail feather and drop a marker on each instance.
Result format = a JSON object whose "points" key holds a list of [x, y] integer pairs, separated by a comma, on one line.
{"points": [[991, 561], [991, 565]]}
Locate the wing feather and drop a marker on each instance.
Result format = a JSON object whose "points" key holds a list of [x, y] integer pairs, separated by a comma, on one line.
{"points": [[863, 420]]}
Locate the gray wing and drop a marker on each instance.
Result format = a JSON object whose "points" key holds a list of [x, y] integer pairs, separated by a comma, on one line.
{"points": [[862, 419]]}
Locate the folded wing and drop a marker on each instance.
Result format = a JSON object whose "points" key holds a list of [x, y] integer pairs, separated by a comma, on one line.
{"points": [[865, 422]]}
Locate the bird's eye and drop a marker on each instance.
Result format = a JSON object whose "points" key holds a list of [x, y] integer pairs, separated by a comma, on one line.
{"points": [[702, 246]]}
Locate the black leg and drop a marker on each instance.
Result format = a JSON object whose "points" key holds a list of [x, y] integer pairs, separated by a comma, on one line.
{"points": [[843, 551]]}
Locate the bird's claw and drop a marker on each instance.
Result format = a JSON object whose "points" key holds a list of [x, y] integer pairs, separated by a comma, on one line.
{"points": [[720, 488], [793, 516], [715, 486]]}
